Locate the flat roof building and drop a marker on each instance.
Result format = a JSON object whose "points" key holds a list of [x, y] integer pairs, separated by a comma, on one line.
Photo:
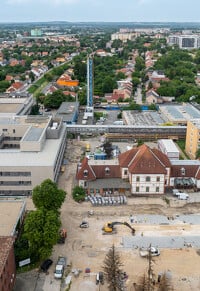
{"points": [[15, 104], [31, 150], [179, 114], [68, 112], [168, 147], [12, 213], [185, 41]]}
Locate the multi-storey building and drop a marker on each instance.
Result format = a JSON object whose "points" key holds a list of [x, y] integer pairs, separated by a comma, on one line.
{"points": [[185, 41], [31, 150], [192, 138]]}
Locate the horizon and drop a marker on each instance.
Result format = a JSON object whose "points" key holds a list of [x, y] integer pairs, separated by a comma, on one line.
{"points": [[15, 11]]}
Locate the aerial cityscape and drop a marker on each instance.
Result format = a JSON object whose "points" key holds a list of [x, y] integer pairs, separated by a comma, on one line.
{"points": [[99, 145]]}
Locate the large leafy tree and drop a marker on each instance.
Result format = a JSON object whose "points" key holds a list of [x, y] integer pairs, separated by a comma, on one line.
{"points": [[112, 269], [48, 196], [55, 99], [41, 229]]}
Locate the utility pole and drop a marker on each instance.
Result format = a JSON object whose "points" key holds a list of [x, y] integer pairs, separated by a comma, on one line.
{"points": [[150, 282]]}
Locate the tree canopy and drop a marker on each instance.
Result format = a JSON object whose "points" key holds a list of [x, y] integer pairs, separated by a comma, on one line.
{"points": [[55, 99], [48, 196], [41, 229]]}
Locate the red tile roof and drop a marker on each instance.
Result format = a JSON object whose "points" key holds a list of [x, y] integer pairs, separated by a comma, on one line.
{"points": [[107, 171], [144, 160], [190, 171], [85, 172], [92, 172]]}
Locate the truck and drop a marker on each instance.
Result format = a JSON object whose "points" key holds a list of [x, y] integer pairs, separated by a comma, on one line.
{"points": [[60, 267]]}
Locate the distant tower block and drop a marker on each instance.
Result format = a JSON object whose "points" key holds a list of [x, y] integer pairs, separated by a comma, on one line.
{"points": [[89, 108]]}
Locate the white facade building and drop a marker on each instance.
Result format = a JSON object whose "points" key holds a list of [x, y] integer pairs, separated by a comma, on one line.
{"points": [[168, 147], [31, 150]]}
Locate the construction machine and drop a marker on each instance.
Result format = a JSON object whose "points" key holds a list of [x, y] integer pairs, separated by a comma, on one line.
{"points": [[62, 236], [109, 228]]}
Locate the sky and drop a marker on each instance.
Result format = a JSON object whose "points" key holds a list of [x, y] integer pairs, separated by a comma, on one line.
{"points": [[100, 10]]}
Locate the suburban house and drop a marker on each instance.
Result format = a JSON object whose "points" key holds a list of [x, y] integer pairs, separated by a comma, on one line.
{"points": [[152, 97], [139, 171], [16, 87]]}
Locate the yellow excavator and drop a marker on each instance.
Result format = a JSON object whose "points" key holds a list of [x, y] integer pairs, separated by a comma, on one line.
{"points": [[109, 227]]}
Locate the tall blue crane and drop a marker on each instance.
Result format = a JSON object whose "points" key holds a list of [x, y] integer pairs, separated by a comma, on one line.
{"points": [[89, 108]]}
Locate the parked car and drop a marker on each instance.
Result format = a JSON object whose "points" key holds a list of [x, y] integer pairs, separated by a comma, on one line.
{"points": [[46, 264], [60, 267], [84, 224]]}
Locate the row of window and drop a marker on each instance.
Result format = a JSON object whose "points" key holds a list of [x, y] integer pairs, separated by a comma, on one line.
{"points": [[147, 189], [5, 130], [15, 174], [15, 183], [147, 179], [15, 192], [10, 138]]}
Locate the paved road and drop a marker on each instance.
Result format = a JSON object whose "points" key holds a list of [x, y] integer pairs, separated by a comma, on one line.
{"points": [[170, 242]]}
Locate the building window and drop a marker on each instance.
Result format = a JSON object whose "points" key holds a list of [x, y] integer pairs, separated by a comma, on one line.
{"points": [[13, 130], [107, 171], [138, 179], [148, 179], [85, 173], [137, 189], [157, 179], [4, 129], [125, 172], [183, 171], [147, 189], [157, 189]]}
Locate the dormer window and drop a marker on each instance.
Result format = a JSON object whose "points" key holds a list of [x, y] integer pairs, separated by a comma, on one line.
{"points": [[183, 171], [85, 173], [107, 171]]}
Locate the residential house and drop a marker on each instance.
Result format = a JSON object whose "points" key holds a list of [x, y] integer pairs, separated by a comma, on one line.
{"points": [[152, 97], [156, 77], [16, 87]]}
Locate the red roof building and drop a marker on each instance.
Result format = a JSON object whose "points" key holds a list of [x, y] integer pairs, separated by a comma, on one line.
{"points": [[141, 170], [7, 264]]}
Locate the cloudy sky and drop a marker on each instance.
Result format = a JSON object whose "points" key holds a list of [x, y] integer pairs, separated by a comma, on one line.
{"points": [[99, 10]]}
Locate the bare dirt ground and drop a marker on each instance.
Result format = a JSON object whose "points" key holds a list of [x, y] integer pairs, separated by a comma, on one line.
{"points": [[86, 248]]}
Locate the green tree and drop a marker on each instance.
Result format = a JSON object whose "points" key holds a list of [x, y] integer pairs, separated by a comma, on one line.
{"points": [[55, 99], [41, 229], [112, 269], [4, 85], [78, 193], [47, 196]]}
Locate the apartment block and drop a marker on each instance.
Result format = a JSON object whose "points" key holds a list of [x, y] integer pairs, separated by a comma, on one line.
{"points": [[192, 138]]}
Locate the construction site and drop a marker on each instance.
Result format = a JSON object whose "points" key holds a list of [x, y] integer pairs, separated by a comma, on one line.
{"points": [[130, 227]]}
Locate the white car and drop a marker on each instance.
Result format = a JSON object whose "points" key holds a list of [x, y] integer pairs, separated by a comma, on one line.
{"points": [[84, 224]]}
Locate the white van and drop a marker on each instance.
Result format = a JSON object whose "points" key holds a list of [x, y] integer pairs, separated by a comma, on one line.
{"points": [[183, 196]]}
